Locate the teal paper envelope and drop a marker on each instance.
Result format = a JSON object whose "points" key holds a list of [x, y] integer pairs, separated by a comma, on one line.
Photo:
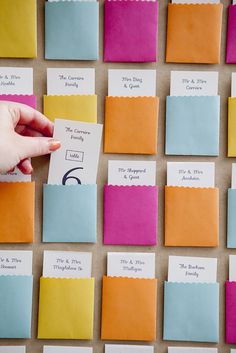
{"points": [[231, 221], [69, 213], [192, 125], [71, 30], [191, 312], [15, 306]]}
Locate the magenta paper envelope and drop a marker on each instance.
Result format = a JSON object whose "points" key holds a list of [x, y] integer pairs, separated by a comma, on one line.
{"points": [[231, 36], [130, 215], [29, 100], [230, 297], [130, 31]]}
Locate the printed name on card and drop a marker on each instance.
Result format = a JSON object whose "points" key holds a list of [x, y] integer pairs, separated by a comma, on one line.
{"points": [[186, 269], [70, 81], [232, 268], [15, 176], [135, 265], [76, 162], [192, 174], [56, 349], [67, 264], [12, 349], [192, 350], [194, 83], [131, 83], [131, 173], [16, 262], [16, 80], [120, 348]]}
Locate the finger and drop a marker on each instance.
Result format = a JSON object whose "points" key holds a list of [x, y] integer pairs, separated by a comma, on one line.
{"points": [[25, 166], [24, 115], [11, 170], [36, 146], [27, 131]]}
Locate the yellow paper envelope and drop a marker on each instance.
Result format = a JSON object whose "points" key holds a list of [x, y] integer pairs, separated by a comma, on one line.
{"points": [[232, 127], [73, 107], [18, 28], [66, 308]]}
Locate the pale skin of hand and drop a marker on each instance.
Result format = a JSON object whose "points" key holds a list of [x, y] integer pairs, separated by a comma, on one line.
{"points": [[24, 133]]}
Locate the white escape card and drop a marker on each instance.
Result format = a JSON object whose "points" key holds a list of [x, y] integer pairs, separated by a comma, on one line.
{"points": [[67, 264], [233, 180], [192, 174], [131, 83], [233, 82], [192, 350], [57, 349], [15, 176], [232, 268], [16, 262], [76, 162], [61, 81], [186, 269], [12, 349], [233, 350], [122, 348], [126, 264], [131, 172], [194, 83], [16, 80], [196, 1]]}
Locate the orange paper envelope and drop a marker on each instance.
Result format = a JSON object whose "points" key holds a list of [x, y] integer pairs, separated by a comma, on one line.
{"points": [[194, 33], [131, 125], [191, 216], [129, 309], [17, 212]]}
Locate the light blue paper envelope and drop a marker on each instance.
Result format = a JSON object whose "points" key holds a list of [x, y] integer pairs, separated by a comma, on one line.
{"points": [[15, 306], [192, 125], [191, 312], [69, 213], [71, 30], [231, 221]]}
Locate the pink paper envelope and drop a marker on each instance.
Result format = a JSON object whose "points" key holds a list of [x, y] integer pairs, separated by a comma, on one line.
{"points": [[231, 36], [130, 31], [130, 215], [230, 297], [29, 100]]}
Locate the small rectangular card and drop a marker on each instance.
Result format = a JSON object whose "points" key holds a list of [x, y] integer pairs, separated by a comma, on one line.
{"points": [[192, 350], [12, 349], [67, 264], [195, 1], [131, 173], [134, 265], [62, 81], [194, 83], [191, 174], [233, 350], [122, 348], [131, 83], [233, 82], [16, 80], [57, 349], [77, 160], [16, 263], [15, 176], [233, 180], [232, 268], [186, 269]]}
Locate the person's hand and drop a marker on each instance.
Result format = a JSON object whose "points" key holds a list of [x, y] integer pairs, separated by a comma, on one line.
{"points": [[24, 133]]}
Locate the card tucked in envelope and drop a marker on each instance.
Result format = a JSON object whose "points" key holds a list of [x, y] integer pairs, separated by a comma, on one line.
{"points": [[193, 114], [230, 302], [192, 350], [129, 301], [60, 349], [121, 348], [66, 302], [232, 119], [191, 205], [16, 282], [12, 349], [231, 220], [15, 176], [191, 300]]}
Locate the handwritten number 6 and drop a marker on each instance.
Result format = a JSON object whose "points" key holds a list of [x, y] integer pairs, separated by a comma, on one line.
{"points": [[67, 176]]}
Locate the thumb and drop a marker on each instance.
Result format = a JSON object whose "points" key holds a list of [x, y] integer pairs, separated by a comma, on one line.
{"points": [[36, 146]]}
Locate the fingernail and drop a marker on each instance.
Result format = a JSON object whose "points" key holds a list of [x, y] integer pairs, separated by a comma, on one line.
{"points": [[54, 145]]}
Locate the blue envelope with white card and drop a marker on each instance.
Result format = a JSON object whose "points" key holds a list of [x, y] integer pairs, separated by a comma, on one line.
{"points": [[193, 114], [191, 300], [231, 220], [70, 197], [16, 287]]}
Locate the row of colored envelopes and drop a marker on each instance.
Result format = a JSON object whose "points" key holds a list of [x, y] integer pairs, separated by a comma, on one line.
{"points": [[130, 31]]}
